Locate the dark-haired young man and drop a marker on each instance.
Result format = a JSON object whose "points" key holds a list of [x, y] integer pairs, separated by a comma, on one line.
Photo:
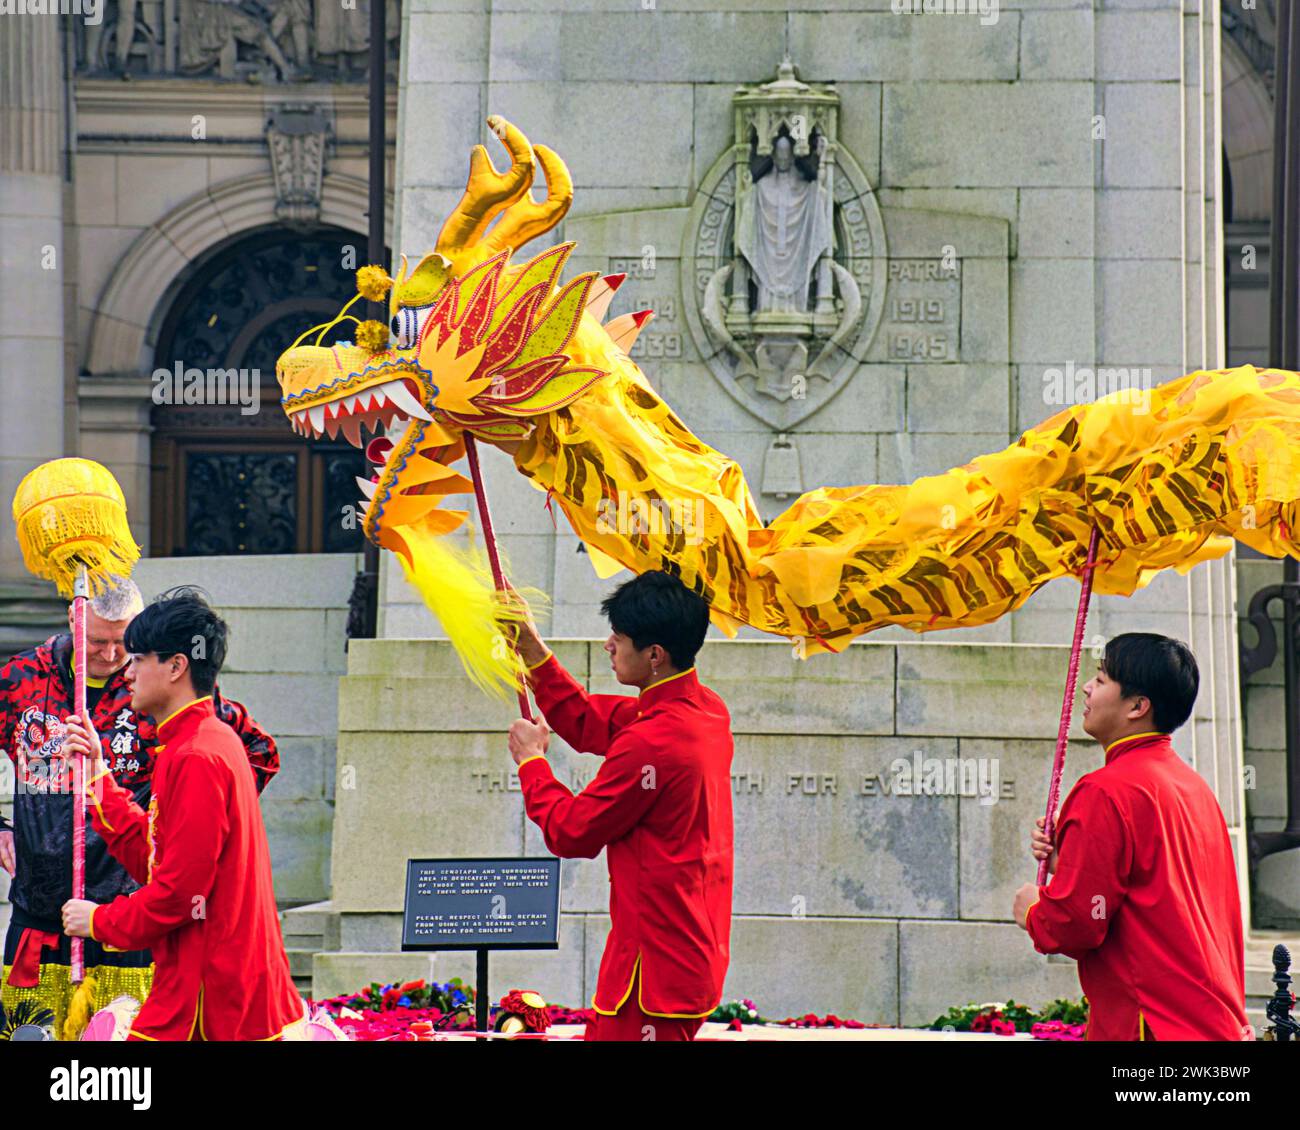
{"points": [[1145, 888], [36, 695], [206, 907], [660, 805]]}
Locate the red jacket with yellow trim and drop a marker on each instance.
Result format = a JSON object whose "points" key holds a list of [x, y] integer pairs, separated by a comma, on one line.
{"points": [[1145, 898], [36, 695], [207, 907], [661, 807]]}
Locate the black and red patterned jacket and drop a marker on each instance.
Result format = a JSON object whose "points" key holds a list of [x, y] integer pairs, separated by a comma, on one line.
{"points": [[35, 698]]}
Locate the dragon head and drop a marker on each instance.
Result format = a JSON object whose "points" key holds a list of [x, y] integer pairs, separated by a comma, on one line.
{"points": [[479, 347]]}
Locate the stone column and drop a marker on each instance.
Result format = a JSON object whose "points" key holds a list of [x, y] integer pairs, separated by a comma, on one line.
{"points": [[115, 431], [31, 257]]}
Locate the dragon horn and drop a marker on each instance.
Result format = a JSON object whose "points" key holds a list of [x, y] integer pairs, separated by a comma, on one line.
{"points": [[487, 192], [527, 219]]}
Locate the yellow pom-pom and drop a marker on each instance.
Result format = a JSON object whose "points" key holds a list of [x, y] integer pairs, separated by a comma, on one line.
{"points": [[80, 1009], [373, 283], [71, 515], [372, 336]]}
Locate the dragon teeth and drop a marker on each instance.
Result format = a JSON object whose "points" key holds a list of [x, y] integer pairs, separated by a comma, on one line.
{"points": [[390, 401], [367, 487], [402, 399]]}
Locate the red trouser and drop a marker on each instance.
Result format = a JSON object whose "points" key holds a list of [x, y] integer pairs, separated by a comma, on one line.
{"points": [[631, 1023]]}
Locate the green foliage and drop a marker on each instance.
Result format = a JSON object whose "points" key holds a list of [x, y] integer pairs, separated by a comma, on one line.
{"points": [[1008, 1016], [745, 1011], [1067, 1011]]}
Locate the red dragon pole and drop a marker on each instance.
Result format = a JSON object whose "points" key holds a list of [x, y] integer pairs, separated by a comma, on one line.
{"points": [[1067, 705]]}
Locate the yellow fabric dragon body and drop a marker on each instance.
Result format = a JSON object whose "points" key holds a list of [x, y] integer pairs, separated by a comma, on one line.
{"points": [[511, 356]]}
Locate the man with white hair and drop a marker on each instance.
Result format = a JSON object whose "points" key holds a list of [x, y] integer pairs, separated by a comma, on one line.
{"points": [[36, 697]]}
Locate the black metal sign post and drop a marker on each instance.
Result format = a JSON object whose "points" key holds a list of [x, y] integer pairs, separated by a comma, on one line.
{"points": [[481, 905], [482, 997]]}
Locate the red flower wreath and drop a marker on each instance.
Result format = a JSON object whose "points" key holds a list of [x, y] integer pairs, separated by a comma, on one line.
{"points": [[529, 1007]]}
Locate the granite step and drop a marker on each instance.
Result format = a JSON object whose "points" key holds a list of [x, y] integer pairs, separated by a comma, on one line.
{"points": [[312, 921], [29, 614], [308, 930]]}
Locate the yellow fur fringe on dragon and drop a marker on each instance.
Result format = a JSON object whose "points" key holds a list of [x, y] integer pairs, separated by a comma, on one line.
{"points": [[513, 356]]}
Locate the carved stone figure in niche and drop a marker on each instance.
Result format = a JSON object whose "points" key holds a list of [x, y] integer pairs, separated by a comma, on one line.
{"points": [[784, 227], [780, 322], [212, 31]]}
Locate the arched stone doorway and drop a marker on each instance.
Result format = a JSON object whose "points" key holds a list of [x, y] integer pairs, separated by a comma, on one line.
{"points": [[228, 474]]}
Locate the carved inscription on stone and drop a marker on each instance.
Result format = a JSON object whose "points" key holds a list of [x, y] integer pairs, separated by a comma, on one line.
{"points": [[922, 318], [960, 777]]}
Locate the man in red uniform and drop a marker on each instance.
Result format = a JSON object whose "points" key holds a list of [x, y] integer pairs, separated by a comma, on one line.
{"points": [[36, 694], [660, 805], [1144, 893], [206, 907]]}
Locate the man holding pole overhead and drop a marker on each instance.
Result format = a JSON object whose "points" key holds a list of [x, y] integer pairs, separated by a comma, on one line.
{"points": [[660, 805]]}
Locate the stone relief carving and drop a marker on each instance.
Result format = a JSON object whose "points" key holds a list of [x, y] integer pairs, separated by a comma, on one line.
{"points": [[784, 256], [268, 41]]}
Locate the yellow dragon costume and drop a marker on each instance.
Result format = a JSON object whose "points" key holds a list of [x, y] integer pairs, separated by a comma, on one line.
{"points": [[512, 356]]}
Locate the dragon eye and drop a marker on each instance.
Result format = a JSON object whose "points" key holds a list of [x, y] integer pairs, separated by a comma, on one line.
{"points": [[407, 323]]}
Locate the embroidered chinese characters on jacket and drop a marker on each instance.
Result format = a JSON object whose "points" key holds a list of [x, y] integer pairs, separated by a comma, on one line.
{"points": [[124, 746]]}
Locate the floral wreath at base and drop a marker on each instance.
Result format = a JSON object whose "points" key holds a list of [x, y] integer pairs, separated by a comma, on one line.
{"points": [[416, 1010], [1062, 1019], [419, 1010]]}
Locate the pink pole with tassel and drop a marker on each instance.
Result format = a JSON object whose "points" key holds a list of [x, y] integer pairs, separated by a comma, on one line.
{"points": [[1067, 705], [77, 765]]}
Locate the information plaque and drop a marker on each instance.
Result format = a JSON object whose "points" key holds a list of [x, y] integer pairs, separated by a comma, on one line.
{"points": [[480, 904]]}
